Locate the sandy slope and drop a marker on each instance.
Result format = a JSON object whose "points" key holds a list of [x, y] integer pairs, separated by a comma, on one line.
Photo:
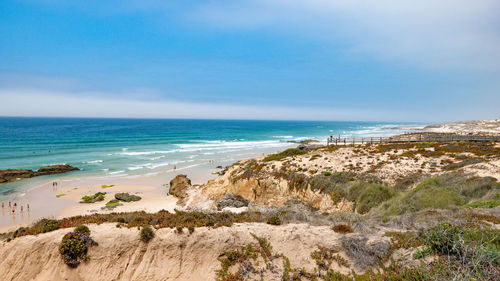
{"points": [[120, 254], [467, 127]]}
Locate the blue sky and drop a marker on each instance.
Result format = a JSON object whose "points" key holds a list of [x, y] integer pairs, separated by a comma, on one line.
{"points": [[381, 60]]}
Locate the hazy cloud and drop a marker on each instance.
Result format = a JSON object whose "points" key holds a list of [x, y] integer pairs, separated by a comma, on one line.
{"points": [[430, 33], [29, 102]]}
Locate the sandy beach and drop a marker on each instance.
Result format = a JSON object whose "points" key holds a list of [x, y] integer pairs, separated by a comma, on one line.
{"points": [[62, 201]]}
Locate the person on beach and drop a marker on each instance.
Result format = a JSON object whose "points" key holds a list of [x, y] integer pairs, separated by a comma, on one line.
{"points": [[21, 208], [28, 207], [175, 167], [9, 205], [2, 205]]}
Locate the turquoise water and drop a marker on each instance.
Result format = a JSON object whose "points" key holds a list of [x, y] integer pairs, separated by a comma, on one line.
{"points": [[127, 147]]}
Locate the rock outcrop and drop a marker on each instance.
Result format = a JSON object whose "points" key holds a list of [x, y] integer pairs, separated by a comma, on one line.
{"points": [[179, 186], [232, 201], [126, 197], [11, 175]]}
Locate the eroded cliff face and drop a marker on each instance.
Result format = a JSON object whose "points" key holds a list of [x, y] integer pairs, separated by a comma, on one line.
{"points": [[121, 255], [268, 188]]}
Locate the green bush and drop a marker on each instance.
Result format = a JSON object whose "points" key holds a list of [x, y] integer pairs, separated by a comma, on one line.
{"points": [[476, 251], [327, 174], [82, 229], [99, 196], [446, 191], [287, 153], [46, 225], [147, 234], [74, 247], [366, 196], [483, 204], [273, 220]]}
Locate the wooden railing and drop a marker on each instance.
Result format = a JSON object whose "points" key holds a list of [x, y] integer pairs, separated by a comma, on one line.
{"points": [[412, 138]]}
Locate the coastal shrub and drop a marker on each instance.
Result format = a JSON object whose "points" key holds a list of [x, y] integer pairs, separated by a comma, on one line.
{"points": [[273, 220], [19, 232], [284, 154], [60, 195], [74, 247], [474, 251], [82, 229], [265, 246], [483, 204], [96, 197], [324, 258], [107, 186], [458, 165], [447, 191], [45, 225], [147, 234], [126, 197], [327, 174], [372, 196], [364, 254], [314, 157]]}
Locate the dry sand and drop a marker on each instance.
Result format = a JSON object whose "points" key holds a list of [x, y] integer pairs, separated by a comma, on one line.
{"points": [[45, 203]]}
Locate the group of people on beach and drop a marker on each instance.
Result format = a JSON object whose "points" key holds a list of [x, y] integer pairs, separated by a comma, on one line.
{"points": [[13, 207], [54, 185]]}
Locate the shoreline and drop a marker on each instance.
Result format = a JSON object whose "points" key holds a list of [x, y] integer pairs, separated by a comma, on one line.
{"points": [[44, 202]]}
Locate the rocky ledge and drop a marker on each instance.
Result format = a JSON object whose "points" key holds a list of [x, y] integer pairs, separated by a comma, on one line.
{"points": [[11, 175]]}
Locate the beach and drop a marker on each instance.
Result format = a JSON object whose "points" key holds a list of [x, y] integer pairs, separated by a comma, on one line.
{"points": [[139, 157], [47, 201]]}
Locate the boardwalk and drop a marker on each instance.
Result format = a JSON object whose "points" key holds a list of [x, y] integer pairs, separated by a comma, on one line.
{"points": [[413, 137]]}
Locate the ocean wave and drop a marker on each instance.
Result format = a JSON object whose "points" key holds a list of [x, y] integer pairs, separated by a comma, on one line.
{"points": [[93, 162], [136, 153], [117, 172], [133, 168]]}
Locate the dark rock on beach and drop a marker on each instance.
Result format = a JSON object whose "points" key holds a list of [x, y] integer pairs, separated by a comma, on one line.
{"points": [[126, 197], [11, 175]]}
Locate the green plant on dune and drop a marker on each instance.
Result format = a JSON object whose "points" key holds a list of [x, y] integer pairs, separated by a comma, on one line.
{"points": [[482, 204], [147, 234], [107, 186], [82, 229], [96, 197], [446, 191], [284, 154], [74, 246]]}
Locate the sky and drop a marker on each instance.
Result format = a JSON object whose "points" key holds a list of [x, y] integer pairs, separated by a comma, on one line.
{"points": [[371, 60]]}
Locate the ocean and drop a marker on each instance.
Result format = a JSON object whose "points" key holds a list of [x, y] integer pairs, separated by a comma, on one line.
{"points": [[135, 147]]}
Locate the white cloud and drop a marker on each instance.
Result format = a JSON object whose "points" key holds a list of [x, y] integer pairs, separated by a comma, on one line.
{"points": [[63, 104], [430, 33]]}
